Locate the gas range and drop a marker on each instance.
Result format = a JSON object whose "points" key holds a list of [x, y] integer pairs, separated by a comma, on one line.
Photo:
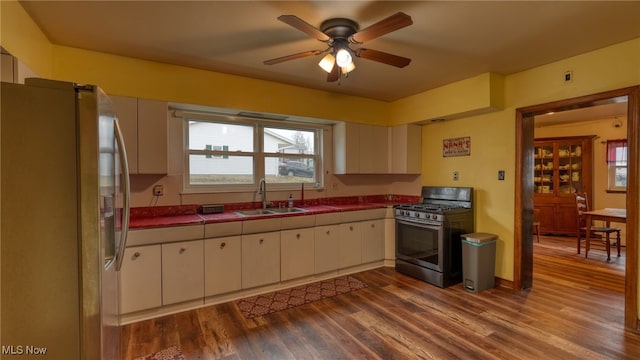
{"points": [[428, 234], [437, 203]]}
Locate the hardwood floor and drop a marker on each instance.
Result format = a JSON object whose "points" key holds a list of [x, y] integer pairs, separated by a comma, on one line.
{"points": [[574, 311]]}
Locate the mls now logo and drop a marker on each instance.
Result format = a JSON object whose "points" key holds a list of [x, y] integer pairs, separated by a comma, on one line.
{"points": [[23, 350]]}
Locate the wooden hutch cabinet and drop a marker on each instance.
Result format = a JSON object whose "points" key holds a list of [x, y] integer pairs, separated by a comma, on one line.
{"points": [[562, 166]]}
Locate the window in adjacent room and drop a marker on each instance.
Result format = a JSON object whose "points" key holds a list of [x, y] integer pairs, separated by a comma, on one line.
{"points": [[225, 154], [617, 164]]}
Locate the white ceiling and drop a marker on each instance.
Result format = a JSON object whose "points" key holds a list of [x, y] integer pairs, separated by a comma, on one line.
{"points": [[448, 41]]}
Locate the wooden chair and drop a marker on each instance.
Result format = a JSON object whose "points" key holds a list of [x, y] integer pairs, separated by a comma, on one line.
{"points": [[536, 223], [582, 205]]}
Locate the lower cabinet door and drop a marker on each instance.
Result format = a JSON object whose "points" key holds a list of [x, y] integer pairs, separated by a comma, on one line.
{"points": [[260, 259], [372, 240], [296, 253], [140, 281], [222, 265], [327, 242], [182, 271], [350, 245]]}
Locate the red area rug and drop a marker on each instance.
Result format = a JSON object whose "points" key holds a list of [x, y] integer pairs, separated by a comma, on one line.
{"points": [[288, 298], [170, 353]]}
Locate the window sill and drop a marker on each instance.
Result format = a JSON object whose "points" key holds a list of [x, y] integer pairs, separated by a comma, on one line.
{"points": [[608, 191]]}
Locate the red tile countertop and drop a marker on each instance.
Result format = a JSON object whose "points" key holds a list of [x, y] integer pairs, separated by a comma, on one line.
{"points": [[165, 216]]}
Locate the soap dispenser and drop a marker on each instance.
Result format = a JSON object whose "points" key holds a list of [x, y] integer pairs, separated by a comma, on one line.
{"points": [[290, 203]]}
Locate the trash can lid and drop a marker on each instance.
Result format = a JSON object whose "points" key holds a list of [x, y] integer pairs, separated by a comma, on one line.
{"points": [[480, 237]]}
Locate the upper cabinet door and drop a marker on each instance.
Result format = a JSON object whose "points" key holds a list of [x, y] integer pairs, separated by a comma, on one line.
{"points": [[360, 149], [144, 127], [405, 149], [152, 136]]}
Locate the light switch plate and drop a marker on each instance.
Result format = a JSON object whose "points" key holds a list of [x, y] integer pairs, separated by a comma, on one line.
{"points": [[500, 174]]}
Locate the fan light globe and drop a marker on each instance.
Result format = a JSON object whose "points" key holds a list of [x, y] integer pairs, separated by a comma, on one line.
{"points": [[349, 68], [327, 63], [343, 58]]}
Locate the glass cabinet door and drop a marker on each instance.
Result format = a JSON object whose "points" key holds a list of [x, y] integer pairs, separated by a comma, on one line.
{"points": [[543, 169]]}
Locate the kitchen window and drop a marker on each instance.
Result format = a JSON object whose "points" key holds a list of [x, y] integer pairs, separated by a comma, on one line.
{"points": [[617, 165], [225, 153]]}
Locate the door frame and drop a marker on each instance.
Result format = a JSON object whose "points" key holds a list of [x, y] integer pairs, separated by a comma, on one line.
{"points": [[523, 222]]}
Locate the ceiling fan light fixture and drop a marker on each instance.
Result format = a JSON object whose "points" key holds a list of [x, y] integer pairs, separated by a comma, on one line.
{"points": [[343, 57], [349, 68], [327, 63]]}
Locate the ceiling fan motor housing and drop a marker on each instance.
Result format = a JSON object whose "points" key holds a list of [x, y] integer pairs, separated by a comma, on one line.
{"points": [[339, 28]]}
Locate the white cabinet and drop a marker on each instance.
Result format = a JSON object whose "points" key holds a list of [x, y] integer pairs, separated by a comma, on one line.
{"points": [[222, 265], [327, 243], [360, 149], [350, 244], [372, 240], [296, 253], [260, 259], [182, 271], [405, 148], [144, 127], [361, 242], [140, 278]]}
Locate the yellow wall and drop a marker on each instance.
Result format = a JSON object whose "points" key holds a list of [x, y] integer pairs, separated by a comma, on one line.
{"points": [[118, 75], [492, 133], [21, 35]]}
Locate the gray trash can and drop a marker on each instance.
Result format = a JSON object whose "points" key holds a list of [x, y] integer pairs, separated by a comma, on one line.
{"points": [[478, 261]]}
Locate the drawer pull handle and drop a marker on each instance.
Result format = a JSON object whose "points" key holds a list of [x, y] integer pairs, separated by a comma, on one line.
{"points": [[182, 250], [328, 232], [222, 245], [261, 241], [136, 255], [350, 228], [297, 236]]}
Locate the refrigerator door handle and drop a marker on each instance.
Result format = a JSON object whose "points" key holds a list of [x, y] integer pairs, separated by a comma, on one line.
{"points": [[126, 195]]}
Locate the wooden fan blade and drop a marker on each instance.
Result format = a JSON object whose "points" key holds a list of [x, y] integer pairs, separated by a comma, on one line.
{"points": [[335, 73], [383, 57], [304, 26], [292, 57], [385, 26]]}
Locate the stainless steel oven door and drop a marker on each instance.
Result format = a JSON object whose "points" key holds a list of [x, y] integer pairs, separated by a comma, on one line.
{"points": [[420, 243]]}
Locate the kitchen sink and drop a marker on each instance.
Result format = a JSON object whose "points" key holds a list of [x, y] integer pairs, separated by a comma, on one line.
{"points": [[268, 211]]}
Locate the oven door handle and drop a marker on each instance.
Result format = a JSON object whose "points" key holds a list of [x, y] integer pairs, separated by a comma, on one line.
{"points": [[423, 224]]}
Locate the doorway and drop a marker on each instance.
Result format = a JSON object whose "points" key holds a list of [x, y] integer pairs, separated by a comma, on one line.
{"points": [[523, 239]]}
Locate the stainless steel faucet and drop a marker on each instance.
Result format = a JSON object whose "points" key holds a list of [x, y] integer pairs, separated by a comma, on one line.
{"points": [[262, 190]]}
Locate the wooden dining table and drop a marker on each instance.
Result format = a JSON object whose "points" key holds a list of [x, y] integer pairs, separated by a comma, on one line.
{"points": [[608, 215]]}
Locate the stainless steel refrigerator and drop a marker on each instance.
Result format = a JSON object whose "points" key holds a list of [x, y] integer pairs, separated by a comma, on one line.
{"points": [[64, 216]]}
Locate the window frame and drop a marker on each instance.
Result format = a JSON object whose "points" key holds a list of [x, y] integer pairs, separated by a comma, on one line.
{"points": [[613, 164], [258, 154]]}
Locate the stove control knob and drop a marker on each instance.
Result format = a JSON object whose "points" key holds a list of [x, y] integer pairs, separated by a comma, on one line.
{"points": [[427, 216], [417, 214]]}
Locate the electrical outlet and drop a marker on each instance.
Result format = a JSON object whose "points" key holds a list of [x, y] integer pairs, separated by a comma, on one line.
{"points": [[500, 174], [158, 190], [455, 176]]}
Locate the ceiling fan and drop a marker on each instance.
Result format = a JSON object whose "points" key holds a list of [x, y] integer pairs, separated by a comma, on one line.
{"points": [[339, 34]]}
